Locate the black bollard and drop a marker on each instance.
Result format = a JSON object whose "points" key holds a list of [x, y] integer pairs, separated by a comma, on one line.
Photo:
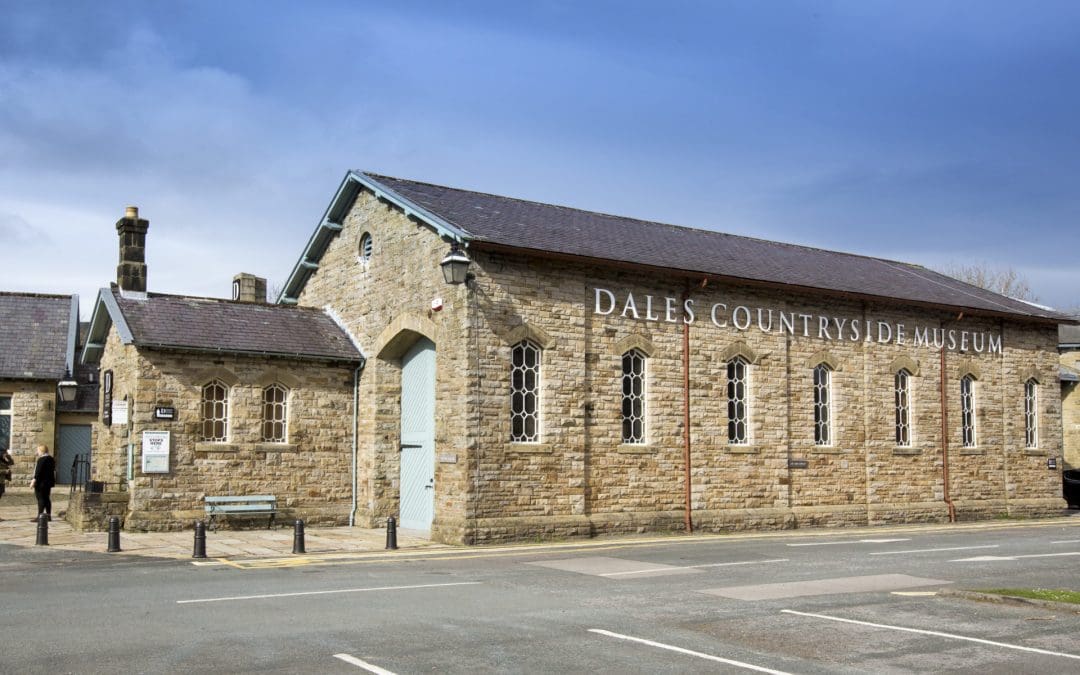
{"points": [[391, 533], [200, 540], [114, 535], [42, 530], [298, 537]]}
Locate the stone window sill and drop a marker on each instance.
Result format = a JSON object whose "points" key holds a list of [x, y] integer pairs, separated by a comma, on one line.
{"points": [[972, 451], [204, 446], [276, 447], [827, 450], [529, 448], [1035, 452], [743, 449], [635, 448], [907, 451]]}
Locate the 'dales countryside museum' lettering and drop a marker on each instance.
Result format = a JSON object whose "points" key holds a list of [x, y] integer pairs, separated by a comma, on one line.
{"points": [[485, 368]]}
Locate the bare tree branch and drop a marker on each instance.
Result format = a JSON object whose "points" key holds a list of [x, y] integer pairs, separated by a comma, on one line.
{"points": [[1004, 281]]}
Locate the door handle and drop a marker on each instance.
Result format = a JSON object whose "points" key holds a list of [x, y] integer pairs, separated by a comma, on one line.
{"points": [[409, 445]]}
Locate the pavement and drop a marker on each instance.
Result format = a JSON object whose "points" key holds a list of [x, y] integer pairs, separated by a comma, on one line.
{"points": [[18, 508]]}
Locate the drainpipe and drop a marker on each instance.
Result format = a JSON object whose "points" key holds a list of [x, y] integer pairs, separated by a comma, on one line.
{"points": [[355, 444], [945, 439], [688, 521]]}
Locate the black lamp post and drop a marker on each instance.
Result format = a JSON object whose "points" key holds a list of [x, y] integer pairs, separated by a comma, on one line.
{"points": [[67, 387], [455, 266]]}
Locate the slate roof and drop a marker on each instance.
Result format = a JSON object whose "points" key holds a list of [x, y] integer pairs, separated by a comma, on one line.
{"points": [[559, 229], [34, 335], [188, 323]]}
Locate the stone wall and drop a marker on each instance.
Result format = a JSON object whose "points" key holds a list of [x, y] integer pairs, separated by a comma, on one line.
{"points": [[580, 479], [1070, 412], [33, 422], [310, 474], [90, 511]]}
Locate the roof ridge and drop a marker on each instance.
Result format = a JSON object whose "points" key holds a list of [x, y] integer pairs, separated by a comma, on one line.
{"points": [[224, 301], [647, 222], [29, 294]]}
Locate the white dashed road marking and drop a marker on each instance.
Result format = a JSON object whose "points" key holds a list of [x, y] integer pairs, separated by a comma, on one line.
{"points": [[934, 550], [797, 589], [993, 558], [935, 634], [849, 541], [340, 590], [363, 664], [688, 652], [1067, 541]]}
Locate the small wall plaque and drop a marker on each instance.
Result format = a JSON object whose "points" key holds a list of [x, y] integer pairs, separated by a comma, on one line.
{"points": [[164, 413], [798, 464], [1051, 462]]}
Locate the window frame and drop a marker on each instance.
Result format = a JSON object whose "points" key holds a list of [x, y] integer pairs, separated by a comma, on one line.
{"points": [[1031, 413], [823, 406], [276, 419], [969, 424], [637, 401], [902, 408], [738, 391], [214, 420], [8, 412], [521, 413]]}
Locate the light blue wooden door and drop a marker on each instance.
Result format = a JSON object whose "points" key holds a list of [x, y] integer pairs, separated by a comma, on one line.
{"points": [[417, 504], [74, 440]]}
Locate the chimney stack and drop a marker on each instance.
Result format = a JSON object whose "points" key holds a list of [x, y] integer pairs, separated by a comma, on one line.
{"points": [[248, 288], [131, 272]]}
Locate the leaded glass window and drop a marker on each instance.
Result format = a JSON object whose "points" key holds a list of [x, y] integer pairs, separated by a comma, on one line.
{"points": [[215, 412], [525, 393], [633, 397], [822, 405], [967, 411], [5, 422], [275, 413], [902, 389], [738, 401], [1031, 413]]}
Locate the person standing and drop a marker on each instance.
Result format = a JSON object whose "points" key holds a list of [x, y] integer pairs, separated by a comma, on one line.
{"points": [[6, 460], [43, 481]]}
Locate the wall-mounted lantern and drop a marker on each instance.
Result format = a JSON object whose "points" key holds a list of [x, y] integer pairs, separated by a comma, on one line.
{"points": [[67, 387], [455, 266]]}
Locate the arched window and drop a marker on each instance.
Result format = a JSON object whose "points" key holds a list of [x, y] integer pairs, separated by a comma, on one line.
{"points": [[1031, 413], [275, 414], [525, 392], [215, 412], [633, 397], [902, 397], [822, 405], [967, 412], [738, 374]]}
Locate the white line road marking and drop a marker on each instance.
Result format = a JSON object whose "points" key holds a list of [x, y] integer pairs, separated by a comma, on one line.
{"points": [[994, 558], [1067, 541], [915, 594], [933, 550], [341, 590], [849, 541], [363, 664], [934, 633], [680, 650], [691, 567]]}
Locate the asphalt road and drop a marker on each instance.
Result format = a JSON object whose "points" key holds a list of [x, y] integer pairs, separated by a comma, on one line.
{"points": [[797, 603]]}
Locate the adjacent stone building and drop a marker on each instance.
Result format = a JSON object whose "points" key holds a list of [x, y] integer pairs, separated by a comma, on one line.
{"points": [[1069, 345], [39, 336], [600, 374], [201, 396]]}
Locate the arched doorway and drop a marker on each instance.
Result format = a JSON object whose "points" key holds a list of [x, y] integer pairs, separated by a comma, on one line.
{"points": [[417, 501]]}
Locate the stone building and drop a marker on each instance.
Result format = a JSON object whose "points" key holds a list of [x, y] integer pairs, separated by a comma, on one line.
{"points": [[1069, 345], [39, 336], [201, 396], [600, 374]]}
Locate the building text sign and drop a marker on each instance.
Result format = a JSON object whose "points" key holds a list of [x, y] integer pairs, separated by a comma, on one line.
{"points": [[768, 320], [155, 452]]}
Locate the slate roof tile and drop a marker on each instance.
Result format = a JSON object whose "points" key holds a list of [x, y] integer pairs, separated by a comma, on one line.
{"points": [[33, 335], [210, 324], [558, 229]]}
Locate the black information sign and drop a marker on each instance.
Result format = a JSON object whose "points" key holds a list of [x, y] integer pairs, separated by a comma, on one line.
{"points": [[1051, 462], [798, 464], [106, 398], [164, 413]]}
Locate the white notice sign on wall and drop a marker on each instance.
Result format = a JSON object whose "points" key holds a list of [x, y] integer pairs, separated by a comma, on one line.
{"points": [[119, 411], [155, 452]]}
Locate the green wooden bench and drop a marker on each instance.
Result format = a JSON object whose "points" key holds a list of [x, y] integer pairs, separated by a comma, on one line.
{"points": [[253, 505]]}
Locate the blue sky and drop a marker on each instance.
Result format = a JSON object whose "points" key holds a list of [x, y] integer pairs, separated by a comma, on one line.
{"points": [[938, 133]]}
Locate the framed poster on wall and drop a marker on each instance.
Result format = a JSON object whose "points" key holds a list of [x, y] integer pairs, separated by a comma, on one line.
{"points": [[155, 452]]}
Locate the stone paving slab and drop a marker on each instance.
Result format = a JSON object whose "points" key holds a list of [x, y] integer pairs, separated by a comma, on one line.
{"points": [[18, 508]]}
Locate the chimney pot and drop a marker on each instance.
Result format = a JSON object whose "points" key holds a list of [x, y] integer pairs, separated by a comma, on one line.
{"points": [[131, 271], [131, 212]]}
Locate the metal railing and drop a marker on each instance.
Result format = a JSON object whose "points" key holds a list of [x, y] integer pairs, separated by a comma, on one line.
{"points": [[80, 473]]}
